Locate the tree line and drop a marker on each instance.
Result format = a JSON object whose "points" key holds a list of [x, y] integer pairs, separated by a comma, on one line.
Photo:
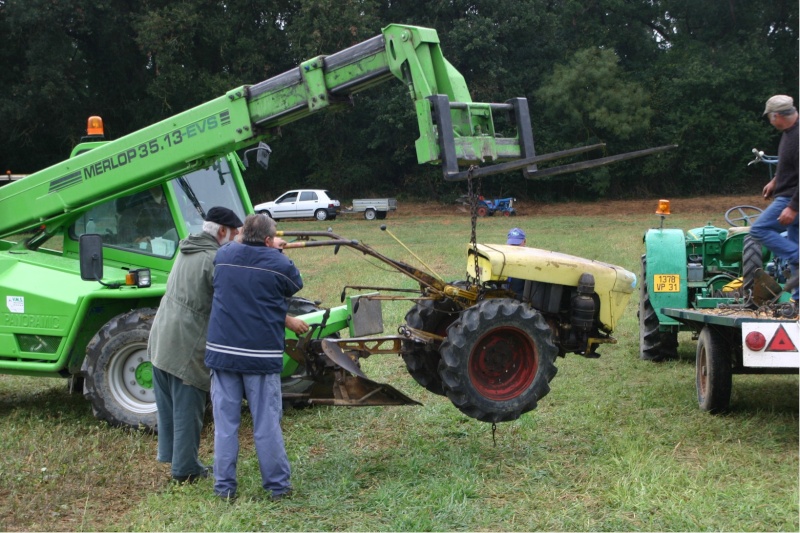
{"points": [[629, 73]]}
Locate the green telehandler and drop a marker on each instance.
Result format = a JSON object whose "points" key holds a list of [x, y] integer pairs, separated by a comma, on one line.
{"points": [[114, 212]]}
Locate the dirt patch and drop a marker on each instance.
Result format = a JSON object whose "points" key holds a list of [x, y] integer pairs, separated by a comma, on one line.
{"points": [[706, 204]]}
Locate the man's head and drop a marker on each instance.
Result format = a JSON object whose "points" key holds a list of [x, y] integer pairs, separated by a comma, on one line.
{"points": [[781, 111], [222, 223], [516, 237], [258, 229]]}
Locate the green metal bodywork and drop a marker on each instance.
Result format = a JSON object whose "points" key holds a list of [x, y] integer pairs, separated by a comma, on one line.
{"points": [[704, 259], [50, 314], [665, 250]]}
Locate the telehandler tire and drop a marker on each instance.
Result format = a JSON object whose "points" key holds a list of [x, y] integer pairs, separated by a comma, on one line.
{"points": [[423, 364], [498, 360], [118, 376], [654, 345], [713, 372]]}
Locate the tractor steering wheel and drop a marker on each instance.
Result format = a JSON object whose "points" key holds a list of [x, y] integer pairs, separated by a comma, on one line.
{"points": [[747, 215]]}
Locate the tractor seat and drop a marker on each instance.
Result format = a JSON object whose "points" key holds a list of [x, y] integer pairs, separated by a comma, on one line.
{"points": [[737, 230]]}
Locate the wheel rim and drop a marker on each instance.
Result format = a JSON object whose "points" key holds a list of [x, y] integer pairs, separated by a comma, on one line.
{"points": [[503, 363], [130, 376], [321, 215]]}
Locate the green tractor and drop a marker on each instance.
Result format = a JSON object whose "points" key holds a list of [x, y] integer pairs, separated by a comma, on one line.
{"points": [[701, 269]]}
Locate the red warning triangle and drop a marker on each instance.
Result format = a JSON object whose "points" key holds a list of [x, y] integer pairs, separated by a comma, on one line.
{"points": [[781, 342]]}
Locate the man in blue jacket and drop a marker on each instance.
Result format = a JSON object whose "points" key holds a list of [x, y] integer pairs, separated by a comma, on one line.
{"points": [[244, 350]]}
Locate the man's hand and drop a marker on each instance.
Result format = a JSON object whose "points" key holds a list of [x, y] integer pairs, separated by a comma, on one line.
{"points": [[787, 216], [768, 188], [296, 325]]}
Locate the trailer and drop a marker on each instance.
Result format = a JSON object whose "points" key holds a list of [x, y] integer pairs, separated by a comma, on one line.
{"points": [[373, 208], [733, 340]]}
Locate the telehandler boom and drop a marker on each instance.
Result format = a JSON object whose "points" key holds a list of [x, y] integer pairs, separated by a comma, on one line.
{"points": [[136, 197]]}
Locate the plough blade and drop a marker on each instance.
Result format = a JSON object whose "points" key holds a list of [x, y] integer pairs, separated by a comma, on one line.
{"points": [[355, 391], [335, 354], [343, 383]]}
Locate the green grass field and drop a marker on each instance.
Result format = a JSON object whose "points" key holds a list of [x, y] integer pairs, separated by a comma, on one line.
{"points": [[618, 444]]}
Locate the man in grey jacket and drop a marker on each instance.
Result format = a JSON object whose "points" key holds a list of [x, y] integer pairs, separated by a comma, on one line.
{"points": [[177, 346]]}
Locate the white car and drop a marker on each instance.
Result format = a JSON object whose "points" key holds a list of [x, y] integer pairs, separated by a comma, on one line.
{"points": [[301, 203]]}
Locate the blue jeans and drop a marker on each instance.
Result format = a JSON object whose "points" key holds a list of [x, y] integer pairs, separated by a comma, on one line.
{"points": [[767, 230], [263, 392], [180, 421]]}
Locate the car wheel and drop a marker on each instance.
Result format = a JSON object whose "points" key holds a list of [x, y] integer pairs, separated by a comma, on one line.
{"points": [[321, 215]]}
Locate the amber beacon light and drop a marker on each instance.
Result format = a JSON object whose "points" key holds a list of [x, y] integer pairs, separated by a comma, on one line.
{"points": [[94, 126]]}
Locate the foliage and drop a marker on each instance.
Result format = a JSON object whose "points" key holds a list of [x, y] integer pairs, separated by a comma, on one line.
{"points": [[629, 73]]}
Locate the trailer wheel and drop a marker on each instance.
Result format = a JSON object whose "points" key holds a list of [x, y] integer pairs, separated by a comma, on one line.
{"points": [[654, 345], [422, 363], [118, 374], [713, 372], [369, 214], [498, 360], [752, 260], [381, 215]]}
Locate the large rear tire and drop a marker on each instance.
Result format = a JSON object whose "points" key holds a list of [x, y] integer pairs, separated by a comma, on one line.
{"points": [[498, 360], [422, 362], [654, 345], [713, 372], [752, 260], [118, 373]]}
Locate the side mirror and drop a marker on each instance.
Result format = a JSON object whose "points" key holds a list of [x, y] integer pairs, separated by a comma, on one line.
{"points": [[91, 256], [262, 155]]}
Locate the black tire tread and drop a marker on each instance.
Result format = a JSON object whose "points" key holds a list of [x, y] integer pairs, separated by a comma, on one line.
{"points": [[457, 348], [654, 345]]}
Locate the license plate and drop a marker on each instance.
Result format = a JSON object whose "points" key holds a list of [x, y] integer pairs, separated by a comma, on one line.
{"points": [[666, 283]]}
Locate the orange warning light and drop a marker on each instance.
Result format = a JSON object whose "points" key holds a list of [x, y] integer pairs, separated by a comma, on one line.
{"points": [[94, 126]]}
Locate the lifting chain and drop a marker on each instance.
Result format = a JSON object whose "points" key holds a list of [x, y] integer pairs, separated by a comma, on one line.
{"points": [[494, 432], [473, 205]]}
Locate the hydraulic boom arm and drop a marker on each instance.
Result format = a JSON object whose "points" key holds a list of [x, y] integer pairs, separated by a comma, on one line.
{"points": [[453, 129]]}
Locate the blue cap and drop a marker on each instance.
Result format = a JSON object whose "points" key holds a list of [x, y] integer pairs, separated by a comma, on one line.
{"points": [[516, 237]]}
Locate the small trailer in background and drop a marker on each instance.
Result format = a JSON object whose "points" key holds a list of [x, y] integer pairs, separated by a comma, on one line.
{"points": [[373, 208], [739, 341]]}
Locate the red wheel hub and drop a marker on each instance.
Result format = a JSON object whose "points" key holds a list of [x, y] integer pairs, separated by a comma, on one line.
{"points": [[503, 363]]}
